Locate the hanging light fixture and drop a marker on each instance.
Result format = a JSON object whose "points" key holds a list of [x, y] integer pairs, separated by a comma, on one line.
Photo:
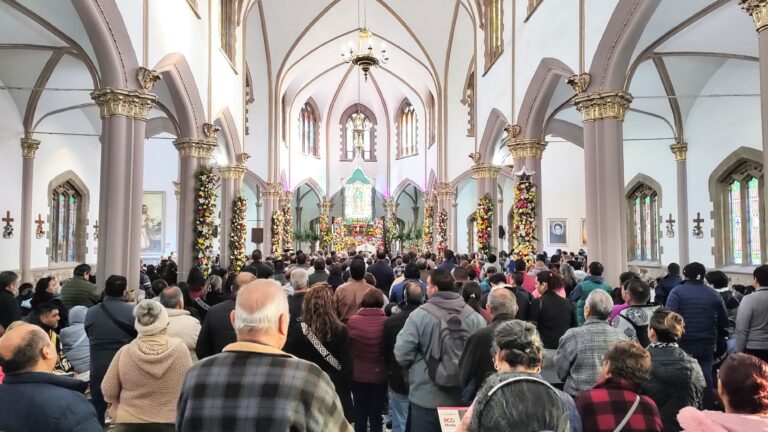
{"points": [[365, 57]]}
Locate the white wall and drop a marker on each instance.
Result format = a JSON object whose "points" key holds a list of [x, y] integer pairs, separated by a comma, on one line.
{"points": [[161, 169], [563, 192]]}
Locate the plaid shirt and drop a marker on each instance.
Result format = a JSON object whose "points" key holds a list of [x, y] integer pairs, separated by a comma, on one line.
{"points": [[254, 387], [603, 407], [579, 355]]}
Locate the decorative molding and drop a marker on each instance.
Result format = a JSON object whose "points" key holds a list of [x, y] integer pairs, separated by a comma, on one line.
{"points": [[325, 205], [529, 148], [444, 190], [512, 131], [176, 188], [285, 199], [147, 77], [606, 105], [242, 158], [199, 148], [680, 150], [579, 82], [29, 147], [124, 103], [758, 10], [211, 131], [476, 157], [483, 171], [272, 190], [235, 171]]}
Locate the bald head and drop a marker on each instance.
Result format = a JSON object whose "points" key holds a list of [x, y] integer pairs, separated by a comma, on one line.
{"points": [[414, 295], [26, 348], [241, 280], [502, 301], [261, 313]]}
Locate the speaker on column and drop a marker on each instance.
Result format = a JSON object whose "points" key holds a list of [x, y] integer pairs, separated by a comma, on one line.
{"points": [[257, 235]]}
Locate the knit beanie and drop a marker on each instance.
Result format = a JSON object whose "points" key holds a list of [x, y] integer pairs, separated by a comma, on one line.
{"points": [[151, 318]]}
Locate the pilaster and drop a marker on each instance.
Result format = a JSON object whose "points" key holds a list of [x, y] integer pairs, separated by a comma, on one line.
{"points": [[270, 198], [231, 185], [29, 148], [446, 197], [680, 151]]}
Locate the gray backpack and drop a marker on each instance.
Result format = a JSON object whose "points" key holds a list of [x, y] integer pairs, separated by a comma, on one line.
{"points": [[447, 344]]}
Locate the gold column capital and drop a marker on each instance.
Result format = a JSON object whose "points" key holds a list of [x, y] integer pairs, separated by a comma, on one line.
{"points": [[192, 147], [758, 10], [29, 147], [234, 171], [147, 77], [390, 205], [606, 105], [680, 150], [527, 148], [285, 199], [124, 103], [485, 171], [444, 190], [430, 200], [273, 190], [325, 205]]}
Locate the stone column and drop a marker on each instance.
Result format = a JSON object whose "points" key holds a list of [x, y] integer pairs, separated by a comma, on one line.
{"points": [[231, 185], [527, 154], [446, 196], [487, 181], [680, 150], [29, 148], [430, 199], [758, 10], [603, 117], [269, 197], [124, 119]]}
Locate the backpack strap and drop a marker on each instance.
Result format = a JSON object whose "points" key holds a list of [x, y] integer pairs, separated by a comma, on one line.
{"points": [[626, 418], [127, 329]]}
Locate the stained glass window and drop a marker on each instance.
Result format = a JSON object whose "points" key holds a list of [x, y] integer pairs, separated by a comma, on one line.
{"points": [[753, 213], [638, 230], [307, 120], [350, 150], [407, 131], [493, 26], [643, 235], [65, 209], [735, 212]]}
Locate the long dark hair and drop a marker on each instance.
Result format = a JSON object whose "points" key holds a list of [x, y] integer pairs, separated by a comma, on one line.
{"points": [[318, 311]]}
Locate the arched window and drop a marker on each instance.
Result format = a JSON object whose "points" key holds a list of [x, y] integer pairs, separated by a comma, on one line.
{"points": [[493, 25], [66, 216], [407, 129], [742, 214], [367, 122], [308, 130], [644, 223]]}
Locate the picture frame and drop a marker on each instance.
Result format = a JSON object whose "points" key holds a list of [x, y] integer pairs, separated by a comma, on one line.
{"points": [[557, 232], [152, 242]]}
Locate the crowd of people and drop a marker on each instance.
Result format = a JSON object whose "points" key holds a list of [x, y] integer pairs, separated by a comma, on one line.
{"points": [[332, 341]]}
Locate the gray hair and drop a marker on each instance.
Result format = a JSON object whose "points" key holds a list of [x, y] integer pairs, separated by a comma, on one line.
{"points": [[299, 278], [214, 284], [519, 342], [502, 301], [267, 316], [600, 304], [527, 404], [171, 297]]}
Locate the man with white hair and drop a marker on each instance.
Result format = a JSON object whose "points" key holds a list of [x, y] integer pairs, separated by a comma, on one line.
{"points": [[181, 324], [300, 284], [253, 384], [579, 357]]}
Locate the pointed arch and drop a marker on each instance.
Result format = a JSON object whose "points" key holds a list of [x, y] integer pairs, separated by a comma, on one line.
{"points": [[346, 147], [406, 132], [75, 203], [228, 137], [533, 111], [313, 185], [309, 127], [494, 128], [177, 76], [403, 185]]}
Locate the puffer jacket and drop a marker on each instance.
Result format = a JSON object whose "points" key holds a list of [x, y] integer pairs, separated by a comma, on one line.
{"points": [[702, 309], [676, 382], [667, 284], [366, 341]]}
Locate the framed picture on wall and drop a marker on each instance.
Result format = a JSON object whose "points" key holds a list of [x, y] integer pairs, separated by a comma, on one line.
{"points": [[583, 232], [152, 224], [558, 232]]}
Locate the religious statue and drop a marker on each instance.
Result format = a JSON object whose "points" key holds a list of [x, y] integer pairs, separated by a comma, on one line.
{"points": [[357, 202]]}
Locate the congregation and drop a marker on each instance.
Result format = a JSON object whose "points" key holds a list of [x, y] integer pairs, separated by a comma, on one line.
{"points": [[332, 341]]}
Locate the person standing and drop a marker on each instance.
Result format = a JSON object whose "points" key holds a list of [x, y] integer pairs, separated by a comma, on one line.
{"points": [[366, 332], [181, 324], [382, 271], [216, 331], [590, 283], [320, 274], [79, 290], [349, 295], [47, 317], [9, 307], [752, 319], [47, 291], [109, 326], [668, 283]]}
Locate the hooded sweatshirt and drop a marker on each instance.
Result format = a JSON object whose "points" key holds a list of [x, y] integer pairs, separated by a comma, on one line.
{"points": [[144, 379], [75, 341]]}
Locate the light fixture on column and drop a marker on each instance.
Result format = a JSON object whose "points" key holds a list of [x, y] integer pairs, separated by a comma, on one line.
{"points": [[364, 54]]}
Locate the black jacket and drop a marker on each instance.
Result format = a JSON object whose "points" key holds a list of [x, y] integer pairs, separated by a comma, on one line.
{"points": [[384, 275], [217, 331], [553, 316], [106, 337], [392, 326], [523, 298], [476, 362], [665, 287], [676, 382]]}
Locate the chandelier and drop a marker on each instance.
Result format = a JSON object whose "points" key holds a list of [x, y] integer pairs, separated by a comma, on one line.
{"points": [[365, 57]]}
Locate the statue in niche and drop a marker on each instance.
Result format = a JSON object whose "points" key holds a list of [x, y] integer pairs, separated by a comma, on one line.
{"points": [[357, 201]]}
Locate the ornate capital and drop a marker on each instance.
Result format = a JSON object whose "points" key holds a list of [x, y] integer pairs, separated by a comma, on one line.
{"points": [[390, 205], [147, 77], [198, 148], [242, 158], [484, 171], [211, 131], [235, 171], [273, 190], [680, 150], [430, 200], [285, 199], [579, 82], [758, 10], [125, 103], [29, 147], [325, 205], [598, 106], [522, 149], [444, 190]]}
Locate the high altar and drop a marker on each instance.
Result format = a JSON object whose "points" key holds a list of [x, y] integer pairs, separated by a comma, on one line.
{"points": [[358, 229]]}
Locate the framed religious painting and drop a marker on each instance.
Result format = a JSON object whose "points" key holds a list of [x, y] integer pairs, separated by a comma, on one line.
{"points": [[152, 224], [583, 232], [558, 232]]}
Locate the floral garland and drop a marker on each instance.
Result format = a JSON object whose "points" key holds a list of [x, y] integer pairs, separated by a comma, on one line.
{"points": [[237, 234], [376, 233], [205, 217], [338, 234], [391, 230], [428, 228], [442, 232], [287, 227], [277, 233], [326, 236], [483, 221], [524, 223]]}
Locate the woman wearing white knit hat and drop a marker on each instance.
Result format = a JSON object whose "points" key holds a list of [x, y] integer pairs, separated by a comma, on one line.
{"points": [[145, 377]]}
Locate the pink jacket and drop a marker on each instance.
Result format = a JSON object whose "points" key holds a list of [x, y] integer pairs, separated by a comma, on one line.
{"points": [[693, 420]]}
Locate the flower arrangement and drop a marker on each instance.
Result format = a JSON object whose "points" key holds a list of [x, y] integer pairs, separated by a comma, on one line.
{"points": [[391, 222], [326, 235], [277, 233], [524, 222], [205, 217], [237, 234], [338, 234], [287, 231], [427, 228], [483, 222], [442, 232], [376, 233]]}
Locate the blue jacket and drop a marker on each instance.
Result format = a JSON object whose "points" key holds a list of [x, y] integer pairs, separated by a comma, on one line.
{"points": [[397, 296], [39, 401], [667, 284], [702, 309]]}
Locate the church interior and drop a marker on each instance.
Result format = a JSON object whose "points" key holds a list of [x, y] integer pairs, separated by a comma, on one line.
{"points": [[134, 129]]}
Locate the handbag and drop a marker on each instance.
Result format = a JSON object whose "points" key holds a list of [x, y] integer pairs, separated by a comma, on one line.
{"points": [[320, 347], [626, 418]]}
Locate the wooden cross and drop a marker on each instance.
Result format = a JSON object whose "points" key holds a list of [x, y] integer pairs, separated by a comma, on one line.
{"points": [[698, 221], [39, 223], [8, 228], [96, 230], [670, 226], [670, 221], [8, 219], [697, 231]]}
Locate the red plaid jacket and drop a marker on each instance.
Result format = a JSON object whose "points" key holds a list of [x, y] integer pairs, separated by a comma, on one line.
{"points": [[604, 406]]}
